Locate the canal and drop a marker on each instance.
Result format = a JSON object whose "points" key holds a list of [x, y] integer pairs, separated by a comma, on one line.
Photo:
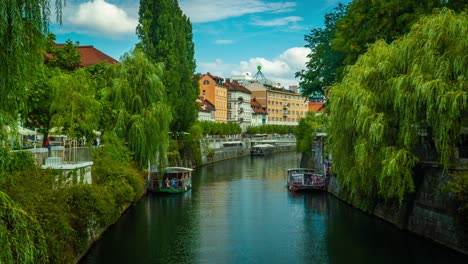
{"points": [[239, 211]]}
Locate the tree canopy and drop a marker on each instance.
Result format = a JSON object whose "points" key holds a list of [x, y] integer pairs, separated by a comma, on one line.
{"points": [[22, 27], [390, 97], [350, 30], [325, 64], [142, 113], [166, 37]]}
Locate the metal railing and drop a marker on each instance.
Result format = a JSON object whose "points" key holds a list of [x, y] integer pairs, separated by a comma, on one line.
{"points": [[58, 155]]}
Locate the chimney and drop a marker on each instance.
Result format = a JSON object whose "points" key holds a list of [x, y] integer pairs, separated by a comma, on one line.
{"points": [[228, 80]]}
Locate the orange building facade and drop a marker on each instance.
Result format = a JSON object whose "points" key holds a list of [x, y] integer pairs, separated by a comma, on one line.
{"points": [[212, 89]]}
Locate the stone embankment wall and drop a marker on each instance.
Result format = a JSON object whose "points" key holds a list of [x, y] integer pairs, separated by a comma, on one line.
{"points": [[428, 212], [231, 154]]}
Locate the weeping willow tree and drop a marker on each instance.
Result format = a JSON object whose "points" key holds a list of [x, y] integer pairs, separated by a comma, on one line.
{"points": [[22, 27], [393, 92], [73, 105], [307, 130], [143, 115], [21, 238]]}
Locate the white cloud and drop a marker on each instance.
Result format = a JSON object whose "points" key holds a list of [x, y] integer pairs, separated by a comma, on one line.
{"points": [[276, 22], [224, 41], [281, 69], [201, 11], [99, 17]]}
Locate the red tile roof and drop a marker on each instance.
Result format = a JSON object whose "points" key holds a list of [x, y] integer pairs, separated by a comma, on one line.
{"points": [[317, 107], [257, 107], [205, 105], [235, 86], [215, 78], [92, 56]]}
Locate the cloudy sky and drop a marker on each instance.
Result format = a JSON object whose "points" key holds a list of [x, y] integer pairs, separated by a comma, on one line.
{"points": [[231, 36]]}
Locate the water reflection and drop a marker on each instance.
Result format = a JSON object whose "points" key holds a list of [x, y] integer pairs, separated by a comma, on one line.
{"points": [[239, 211]]}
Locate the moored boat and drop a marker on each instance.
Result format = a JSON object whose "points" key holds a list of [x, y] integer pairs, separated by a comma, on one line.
{"points": [[262, 150], [171, 180], [302, 179]]}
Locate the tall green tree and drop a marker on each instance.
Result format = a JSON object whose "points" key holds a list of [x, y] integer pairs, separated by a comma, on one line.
{"points": [[393, 92], [367, 21], [325, 64], [59, 59], [166, 37], [307, 130], [73, 105], [139, 100], [22, 27]]}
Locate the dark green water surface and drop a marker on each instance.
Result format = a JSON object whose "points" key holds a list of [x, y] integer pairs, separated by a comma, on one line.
{"points": [[239, 211]]}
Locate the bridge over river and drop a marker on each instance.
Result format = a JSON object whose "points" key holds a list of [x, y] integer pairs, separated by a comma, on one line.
{"points": [[239, 211]]}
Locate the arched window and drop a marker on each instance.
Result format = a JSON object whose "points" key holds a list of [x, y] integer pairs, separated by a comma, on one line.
{"points": [[206, 82]]}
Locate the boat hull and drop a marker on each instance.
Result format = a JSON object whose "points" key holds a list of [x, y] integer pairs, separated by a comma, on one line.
{"points": [[172, 180], [305, 179], [171, 190], [305, 188]]}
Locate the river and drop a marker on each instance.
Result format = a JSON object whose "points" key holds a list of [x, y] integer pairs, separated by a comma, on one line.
{"points": [[239, 211]]}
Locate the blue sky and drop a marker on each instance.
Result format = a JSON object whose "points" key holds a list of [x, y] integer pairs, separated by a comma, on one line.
{"points": [[231, 36]]}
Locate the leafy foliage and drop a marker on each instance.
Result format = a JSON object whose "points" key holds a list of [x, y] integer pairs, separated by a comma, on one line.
{"points": [[21, 238], [458, 186], [73, 105], [114, 169], [65, 57], [22, 26], [271, 129], [393, 92], [367, 21], [211, 128], [139, 100], [349, 30], [166, 37], [306, 131], [325, 63]]}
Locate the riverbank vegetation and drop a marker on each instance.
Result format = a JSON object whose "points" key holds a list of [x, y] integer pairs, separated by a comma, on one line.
{"points": [[46, 217], [271, 129], [406, 90]]}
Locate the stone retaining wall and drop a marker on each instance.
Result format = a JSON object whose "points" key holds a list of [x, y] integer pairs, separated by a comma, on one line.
{"points": [[225, 155], [427, 212]]}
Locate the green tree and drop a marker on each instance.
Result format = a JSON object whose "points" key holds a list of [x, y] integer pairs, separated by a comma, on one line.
{"points": [[22, 26], [367, 21], [73, 103], [139, 100], [166, 37], [307, 130], [325, 64], [40, 95], [393, 92], [21, 237], [22, 29]]}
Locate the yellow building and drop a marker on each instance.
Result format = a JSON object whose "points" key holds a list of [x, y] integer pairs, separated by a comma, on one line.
{"points": [[284, 107], [212, 88]]}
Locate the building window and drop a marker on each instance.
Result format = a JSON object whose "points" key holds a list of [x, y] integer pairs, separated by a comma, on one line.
{"points": [[204, 92], [206, 82]]}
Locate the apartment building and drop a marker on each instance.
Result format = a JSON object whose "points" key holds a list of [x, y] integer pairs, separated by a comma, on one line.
{"points": [[284, 107], [239, 109], [259, 115], [212, 89]]}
